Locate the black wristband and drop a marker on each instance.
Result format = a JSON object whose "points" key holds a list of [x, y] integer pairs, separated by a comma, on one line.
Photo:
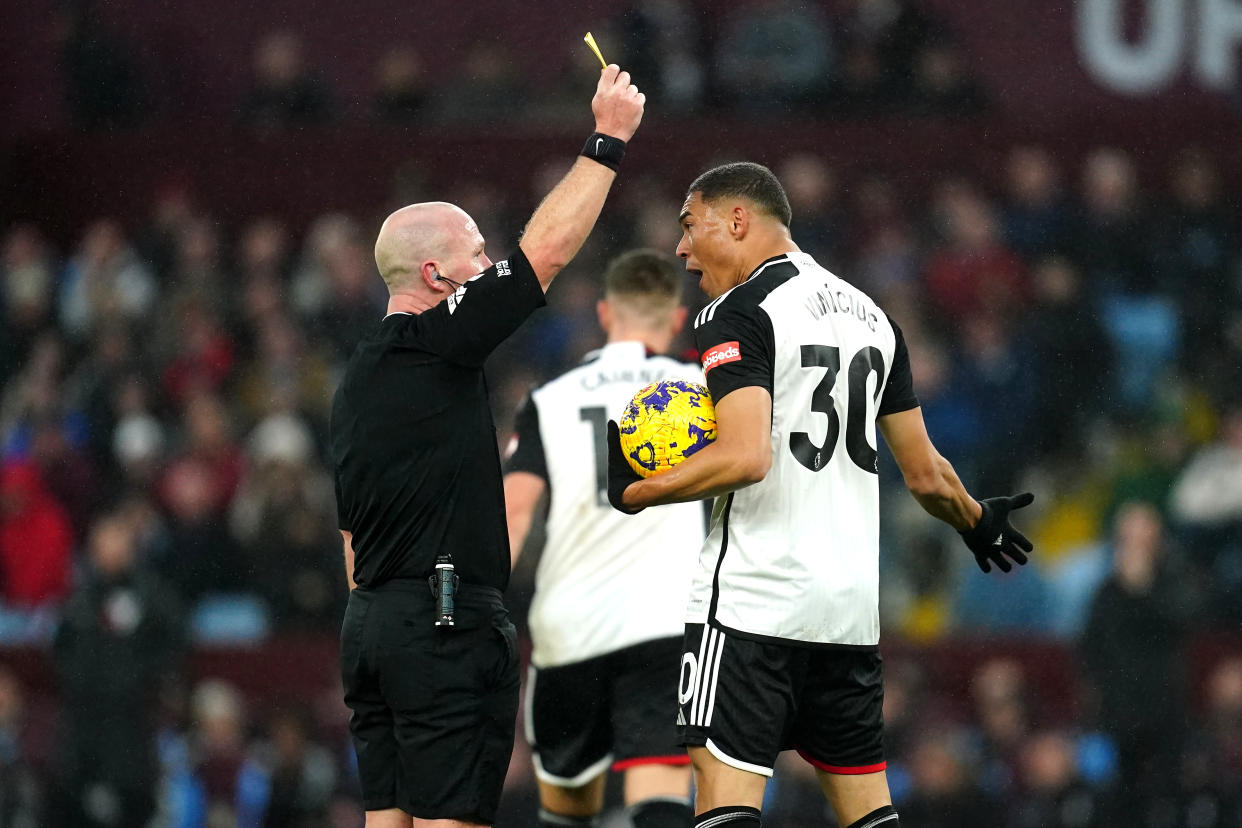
{"points": [[605, 149]]}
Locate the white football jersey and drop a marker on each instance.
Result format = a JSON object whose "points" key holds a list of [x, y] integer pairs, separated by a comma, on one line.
{"points": [[605, 580], [796, 555]]}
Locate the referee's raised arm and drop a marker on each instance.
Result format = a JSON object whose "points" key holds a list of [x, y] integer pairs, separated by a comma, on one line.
{"points": [[565, 218]]}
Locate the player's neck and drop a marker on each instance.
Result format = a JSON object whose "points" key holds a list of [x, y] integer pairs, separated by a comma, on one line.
{"points": [[763, 247], [654, 342]]}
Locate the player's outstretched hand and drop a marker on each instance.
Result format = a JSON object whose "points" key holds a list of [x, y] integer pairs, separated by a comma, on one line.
{"points": [[620, 475], [618, 105], [993, 538]]}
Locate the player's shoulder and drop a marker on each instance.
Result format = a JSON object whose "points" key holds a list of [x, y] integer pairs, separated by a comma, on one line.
{"points": [[747, 297]]}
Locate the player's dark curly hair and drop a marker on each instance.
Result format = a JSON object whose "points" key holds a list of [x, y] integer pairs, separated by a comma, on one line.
{"points": [[748, 180], [646, 273]]}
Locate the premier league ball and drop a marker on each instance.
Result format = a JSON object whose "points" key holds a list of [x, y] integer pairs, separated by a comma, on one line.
{"points": [[665, 423]]}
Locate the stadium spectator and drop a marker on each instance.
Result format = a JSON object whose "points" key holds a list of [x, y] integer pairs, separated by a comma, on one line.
{"points": [[1110, 237], [196, 489], [301, 774], [284, 374], [972, 273], [819, 222], [942, 86], [23, 787], [775, 54], [1206, 505], [662, 43], [1001, 697], [1133, 657], [488, 87], [27, 295], [226, 784], [119, 642], [105, 280], [943, 794], [1071, 360], [1035, 214], [201, 352], [401, 88], [1053, 793], [282, 518], [1195, 252], [284, 91], [36, 539]]}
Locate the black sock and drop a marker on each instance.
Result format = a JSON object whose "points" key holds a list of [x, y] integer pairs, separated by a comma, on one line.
{"points": [[547, 819], [662, 812], [885, 817], [732, 816]]}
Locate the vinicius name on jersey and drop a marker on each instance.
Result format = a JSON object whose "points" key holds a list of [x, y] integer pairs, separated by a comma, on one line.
{"points": [[643, 376], [838, 301]]}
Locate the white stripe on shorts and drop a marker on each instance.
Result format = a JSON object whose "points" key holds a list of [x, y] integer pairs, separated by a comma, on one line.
{"points": [[711, 698]]}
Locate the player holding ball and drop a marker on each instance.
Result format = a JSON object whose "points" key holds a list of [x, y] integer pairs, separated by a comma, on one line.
{"points": [[782, 636]]}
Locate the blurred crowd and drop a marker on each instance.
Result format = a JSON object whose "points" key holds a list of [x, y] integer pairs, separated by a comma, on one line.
{"points": [[1075, 328], [164, 391], [849, 59]]}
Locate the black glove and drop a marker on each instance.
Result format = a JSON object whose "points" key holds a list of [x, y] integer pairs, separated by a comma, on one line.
{"points": [[994, 537], [620, 475]]}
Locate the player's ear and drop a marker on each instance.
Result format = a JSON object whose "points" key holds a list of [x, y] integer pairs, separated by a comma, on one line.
{"points": [[604, 311], [739, 221]]}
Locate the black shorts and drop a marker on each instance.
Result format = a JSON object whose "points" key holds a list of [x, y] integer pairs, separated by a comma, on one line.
{"points": [[614, 710], [434, 709], [746, 701]]}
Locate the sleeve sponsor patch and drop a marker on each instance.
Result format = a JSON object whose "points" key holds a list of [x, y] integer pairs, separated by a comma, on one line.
{"points": [[721, 354]]}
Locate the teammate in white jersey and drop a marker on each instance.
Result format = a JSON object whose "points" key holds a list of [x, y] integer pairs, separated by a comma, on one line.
{"points": [[610, 591], [782, 633]]}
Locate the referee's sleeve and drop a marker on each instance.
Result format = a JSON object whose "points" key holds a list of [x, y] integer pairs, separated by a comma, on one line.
{"points": [[342, 520], [899, 391], [468, 325], [526, 454]]}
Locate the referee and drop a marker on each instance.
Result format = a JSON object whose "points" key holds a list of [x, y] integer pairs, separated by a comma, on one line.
{"points": [[429, 658]]}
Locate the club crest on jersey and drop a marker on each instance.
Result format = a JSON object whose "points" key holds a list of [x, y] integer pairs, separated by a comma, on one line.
{"points": [[723, 353]]}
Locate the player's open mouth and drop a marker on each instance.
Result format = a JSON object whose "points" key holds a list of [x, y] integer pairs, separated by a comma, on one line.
{"points": [[697, 273]]}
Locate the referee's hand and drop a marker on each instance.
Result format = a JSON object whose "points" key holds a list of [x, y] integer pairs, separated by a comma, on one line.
{"points": [[993, 538], [620, 475], [618, 105]]}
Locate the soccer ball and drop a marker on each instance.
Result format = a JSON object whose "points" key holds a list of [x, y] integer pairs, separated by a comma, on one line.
{"points": [[665, 423]]}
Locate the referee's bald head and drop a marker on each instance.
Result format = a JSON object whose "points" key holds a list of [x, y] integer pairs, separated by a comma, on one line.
{"points": [[744, 179], [419, 233]]}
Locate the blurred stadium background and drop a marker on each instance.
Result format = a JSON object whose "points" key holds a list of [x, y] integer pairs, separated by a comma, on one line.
{"points": [[1044, 195]]}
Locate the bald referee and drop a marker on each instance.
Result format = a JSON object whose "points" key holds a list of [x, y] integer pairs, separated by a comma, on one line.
{"points": [[429, 658]]}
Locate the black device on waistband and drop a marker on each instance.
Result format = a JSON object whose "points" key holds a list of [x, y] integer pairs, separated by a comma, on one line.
{"points": [[444, 587]]}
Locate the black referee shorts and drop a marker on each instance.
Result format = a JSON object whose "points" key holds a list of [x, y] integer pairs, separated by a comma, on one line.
{"points": [[433, 708]]}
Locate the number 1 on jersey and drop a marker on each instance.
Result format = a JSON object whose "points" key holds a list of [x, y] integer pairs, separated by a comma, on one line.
{"points": [[598, 418]]}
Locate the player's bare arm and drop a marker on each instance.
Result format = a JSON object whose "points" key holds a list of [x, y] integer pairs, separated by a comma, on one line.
{"points": [[348, 539], [984, 525], [740, 456], [522, 493], [929, 477], [563, 221]]}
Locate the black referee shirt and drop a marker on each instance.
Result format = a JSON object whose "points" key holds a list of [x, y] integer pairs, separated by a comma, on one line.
{"points": [[413, 445]]}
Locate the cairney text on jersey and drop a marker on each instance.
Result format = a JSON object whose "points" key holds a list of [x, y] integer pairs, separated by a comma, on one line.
{"points": [[636, 378]]}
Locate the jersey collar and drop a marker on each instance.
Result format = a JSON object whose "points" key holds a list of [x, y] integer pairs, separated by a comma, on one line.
{"points": [[771, 261]]}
